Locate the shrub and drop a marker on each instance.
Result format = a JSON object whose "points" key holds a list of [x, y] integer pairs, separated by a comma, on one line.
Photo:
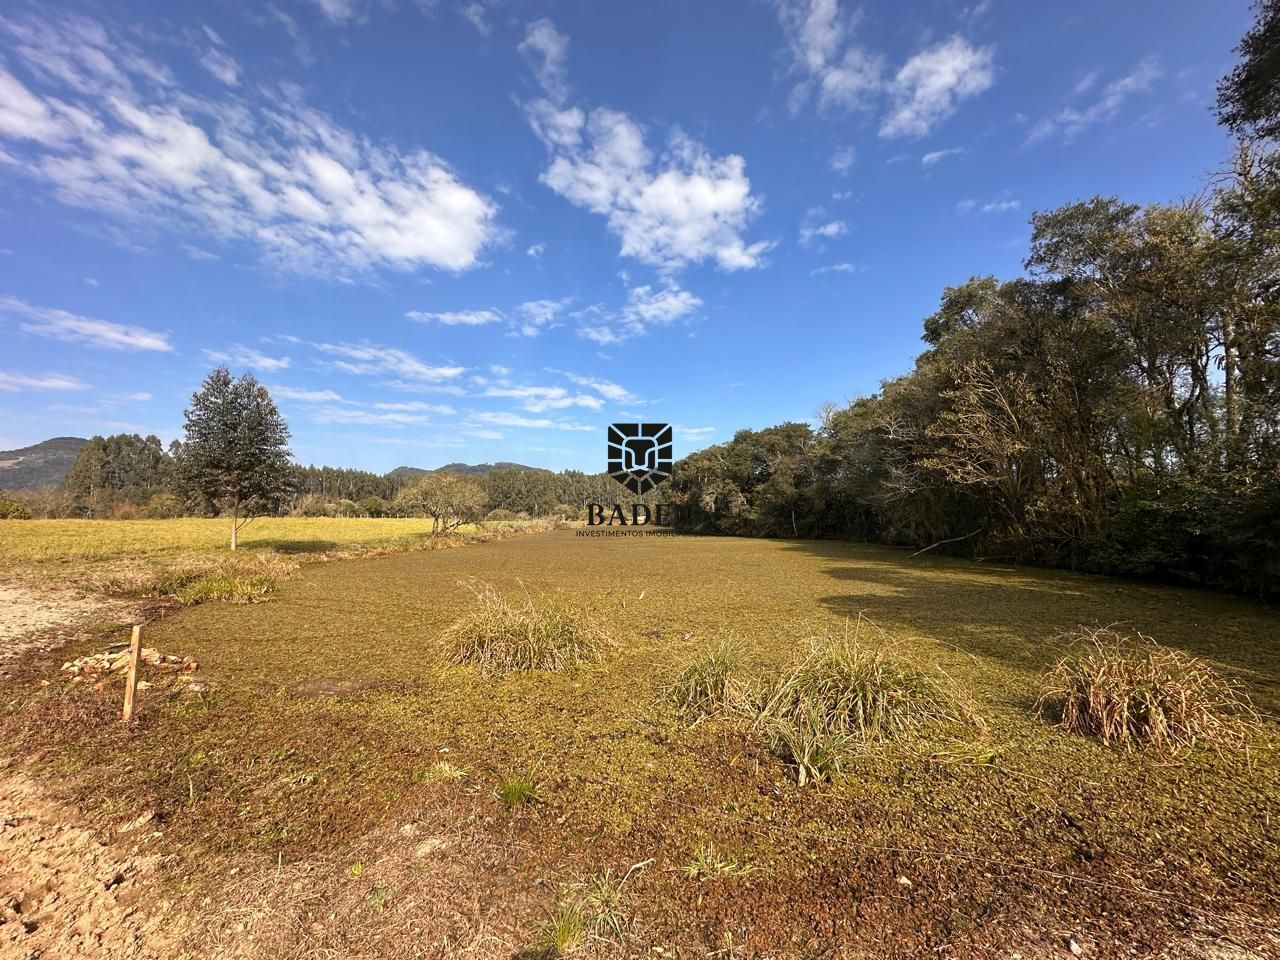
{"points": [[518, 791], [709, 684], [442, 771], [164, 506], [501, 636], [842, 695], [1130, 691], [500, 514], [13, 510], [236, 588]]}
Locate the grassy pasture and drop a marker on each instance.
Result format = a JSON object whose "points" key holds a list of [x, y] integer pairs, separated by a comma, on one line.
{"points": [[77, 540], [334, 704]]}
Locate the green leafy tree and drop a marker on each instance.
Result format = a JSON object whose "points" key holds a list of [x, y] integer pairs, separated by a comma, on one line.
{"points": [[1249, 96], [235, 455], [449, 499]]}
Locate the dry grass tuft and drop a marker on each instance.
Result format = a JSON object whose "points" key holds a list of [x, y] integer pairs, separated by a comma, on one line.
{"points": [[845, 693], [1131, 692], [711, 683], [501, 636]]}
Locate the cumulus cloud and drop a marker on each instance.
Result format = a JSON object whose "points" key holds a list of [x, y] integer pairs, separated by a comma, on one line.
{"points": [[929, 85], [73, 328], [1071, 121], [834, 70], [672, 208], [547, 50], [843, 159], [12, 382], [534, 316], [647, 306], [239, 356], [816, 228], [108, 129]]}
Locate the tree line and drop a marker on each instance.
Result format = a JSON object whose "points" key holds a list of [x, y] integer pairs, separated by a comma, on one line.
{"points": [[1116, 409]]}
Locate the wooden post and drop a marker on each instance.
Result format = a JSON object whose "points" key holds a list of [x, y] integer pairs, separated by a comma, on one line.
{"points": [[131, 681]]}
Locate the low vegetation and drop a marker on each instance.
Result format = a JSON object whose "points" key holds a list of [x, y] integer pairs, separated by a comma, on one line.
{"points": [[332, 710], [586, 911], [518, 790], [711, 683], [708, 863], [503, 636], [1130, 692]]}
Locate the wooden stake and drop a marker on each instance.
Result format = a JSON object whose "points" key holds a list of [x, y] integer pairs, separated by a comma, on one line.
{"points": [[131, 681]]}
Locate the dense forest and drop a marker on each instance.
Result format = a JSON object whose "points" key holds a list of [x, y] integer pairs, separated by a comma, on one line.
{"points": [[1116, 409]]}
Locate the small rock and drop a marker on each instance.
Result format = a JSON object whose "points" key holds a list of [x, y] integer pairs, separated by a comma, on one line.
{"points": [[904, 882], [1074, 947]]}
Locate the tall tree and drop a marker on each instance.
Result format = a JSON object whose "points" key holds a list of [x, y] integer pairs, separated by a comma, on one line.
{"points": [[235, 455], [1249, 96]]}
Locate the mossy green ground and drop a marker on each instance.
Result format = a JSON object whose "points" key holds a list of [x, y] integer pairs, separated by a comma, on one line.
{"points": [[331, 701]]}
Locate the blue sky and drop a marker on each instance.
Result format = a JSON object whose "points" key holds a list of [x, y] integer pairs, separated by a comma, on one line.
{"points": [[484, 229]]}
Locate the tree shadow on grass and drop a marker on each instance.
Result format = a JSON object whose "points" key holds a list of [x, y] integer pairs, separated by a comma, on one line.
{"points": [[1017, 615], [292, 546]]}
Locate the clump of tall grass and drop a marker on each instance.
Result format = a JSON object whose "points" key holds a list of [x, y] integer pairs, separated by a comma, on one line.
{"points": [[710, 683], [590, 909], [844, 694], [518, 791], [226, 586], [503, 636], [1131, 692], [708, 863]]}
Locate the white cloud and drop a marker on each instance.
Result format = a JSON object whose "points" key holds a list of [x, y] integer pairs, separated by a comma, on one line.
{"points": [[1070, 121], [692, 433], [241, 356], [537, 399], [999, 206], [842, 160], [606, 388], [930, 84], [457, 318], [933, 158], [547, 50], [474, 12], [538, 315], [672, 209], [416, 406], [646, 306], [109, 131], [840, 73], [499, 419], [536, 250], [338, 11], [368, 417], [833, 268], [222, 66], [52, 381], [368, 359], [72, 328], [815, 227], [304, 396], [966, 206]]}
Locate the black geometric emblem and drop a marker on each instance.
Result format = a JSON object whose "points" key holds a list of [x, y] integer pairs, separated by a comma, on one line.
{"points": [[640, 454]]}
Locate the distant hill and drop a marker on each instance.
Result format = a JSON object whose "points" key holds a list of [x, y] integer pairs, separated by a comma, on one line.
{"points": [[470, 469], [42, 465]]}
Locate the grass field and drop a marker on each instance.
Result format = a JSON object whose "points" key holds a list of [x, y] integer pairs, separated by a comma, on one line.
{"points": [[80, 540], [339, 742]]}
